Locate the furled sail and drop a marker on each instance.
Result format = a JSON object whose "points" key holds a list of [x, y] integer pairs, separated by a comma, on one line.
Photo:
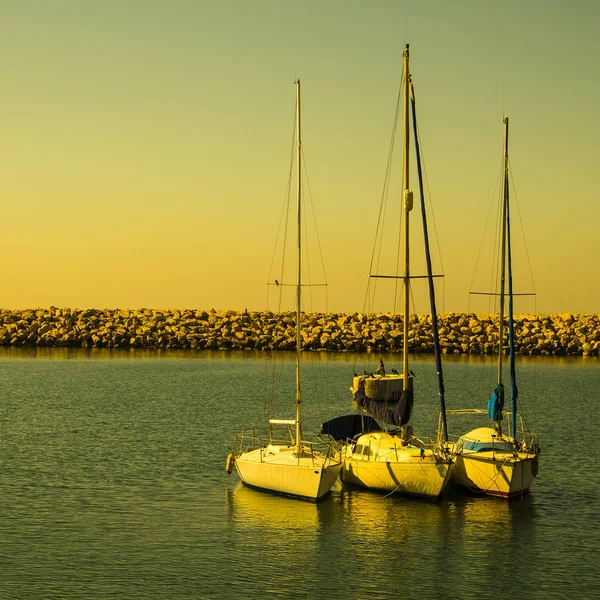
{"points": [[399, 415], [514, 392], [434, 319]]}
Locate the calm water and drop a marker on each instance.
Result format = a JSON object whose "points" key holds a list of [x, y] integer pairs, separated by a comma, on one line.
{"points": [[112, 485]]}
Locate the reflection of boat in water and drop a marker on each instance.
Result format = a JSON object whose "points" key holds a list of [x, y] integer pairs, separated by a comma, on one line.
{"points": [[381, 451], [377, 517], [252, 509], [408, 541], [488, 460], [472, 518], [281, 460]]}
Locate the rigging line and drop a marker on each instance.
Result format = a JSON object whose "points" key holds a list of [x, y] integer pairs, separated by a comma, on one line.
{"points": [[430, 419], [414, 468], [312, 206], [510, 174], [385, 194], [398, 282], [433, 307], [465, 365], [495, 275], [398, 293], [385, 184], [307, 301], [398, 263], [310, 304], [419, 357], [498, 245], [399, 244], [385, 201], [275, 375], [286, 227], [306, 255], [495, 268], [431, 212], [308, 269], [485, 229], [285, 210]]}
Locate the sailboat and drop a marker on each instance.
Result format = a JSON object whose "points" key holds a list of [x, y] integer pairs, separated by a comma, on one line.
{"points": [[381, 451], [488, 460], [282, 461]]}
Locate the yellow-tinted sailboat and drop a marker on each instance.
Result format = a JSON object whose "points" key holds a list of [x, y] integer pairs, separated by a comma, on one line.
{"points": [[281, 461], [380, 451], [488, 460]]}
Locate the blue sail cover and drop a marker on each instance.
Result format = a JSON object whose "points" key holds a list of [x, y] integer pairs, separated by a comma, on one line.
{"points": [[514, 392], [496, 403], [399, 415]]}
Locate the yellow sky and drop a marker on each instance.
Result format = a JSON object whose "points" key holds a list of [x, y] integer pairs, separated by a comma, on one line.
{"points": [[145, 145]]}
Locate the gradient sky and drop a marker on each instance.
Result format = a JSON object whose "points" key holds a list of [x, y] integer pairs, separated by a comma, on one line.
{"points": [[145, 145]]}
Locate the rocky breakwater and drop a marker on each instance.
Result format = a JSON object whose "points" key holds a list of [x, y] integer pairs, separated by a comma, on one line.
{"points": [[460, 333]]}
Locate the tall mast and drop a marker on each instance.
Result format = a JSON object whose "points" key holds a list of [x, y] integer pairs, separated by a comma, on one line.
{"points": [[299, 284], [514, 392], [408, 204], [503, 262], [503, 254]]}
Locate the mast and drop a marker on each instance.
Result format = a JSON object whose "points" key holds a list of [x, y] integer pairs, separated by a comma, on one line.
{"points": [[299, 282], [514, 392], [503, 270], [408, 204]]}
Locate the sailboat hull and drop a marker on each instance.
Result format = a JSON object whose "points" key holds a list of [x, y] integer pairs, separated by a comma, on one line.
{"points": [[426, 479], [280, 470], [495, 474], [378, 461]]}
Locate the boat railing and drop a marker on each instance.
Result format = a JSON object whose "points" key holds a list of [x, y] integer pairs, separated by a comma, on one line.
{"points": [[253, 438], [325, 445], [528, 442]]}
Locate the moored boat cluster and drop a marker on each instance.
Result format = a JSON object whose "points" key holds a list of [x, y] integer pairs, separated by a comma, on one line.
{"points": [[460, 333]]}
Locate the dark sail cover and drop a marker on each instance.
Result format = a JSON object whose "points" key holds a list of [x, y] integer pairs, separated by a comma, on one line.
{"points": [[399, 415], [347, 427]]}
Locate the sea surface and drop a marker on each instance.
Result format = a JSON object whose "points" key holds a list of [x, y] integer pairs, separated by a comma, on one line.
{"points": [[112, 484]]}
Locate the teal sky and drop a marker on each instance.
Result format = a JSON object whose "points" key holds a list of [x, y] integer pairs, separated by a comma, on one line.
{"points": [[145, 145]]}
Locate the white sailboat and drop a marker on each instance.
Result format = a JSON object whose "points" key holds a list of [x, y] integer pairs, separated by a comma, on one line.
{"points": [[488, 460], [388, 457], [282, 461]]}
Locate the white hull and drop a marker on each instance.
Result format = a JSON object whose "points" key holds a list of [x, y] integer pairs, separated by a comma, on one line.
{"points": [[294, 469], [279, 469], [379, 461], [501, 474]]}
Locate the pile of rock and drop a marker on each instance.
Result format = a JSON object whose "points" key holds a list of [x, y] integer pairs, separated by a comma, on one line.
{"points": [[460, 333]]}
